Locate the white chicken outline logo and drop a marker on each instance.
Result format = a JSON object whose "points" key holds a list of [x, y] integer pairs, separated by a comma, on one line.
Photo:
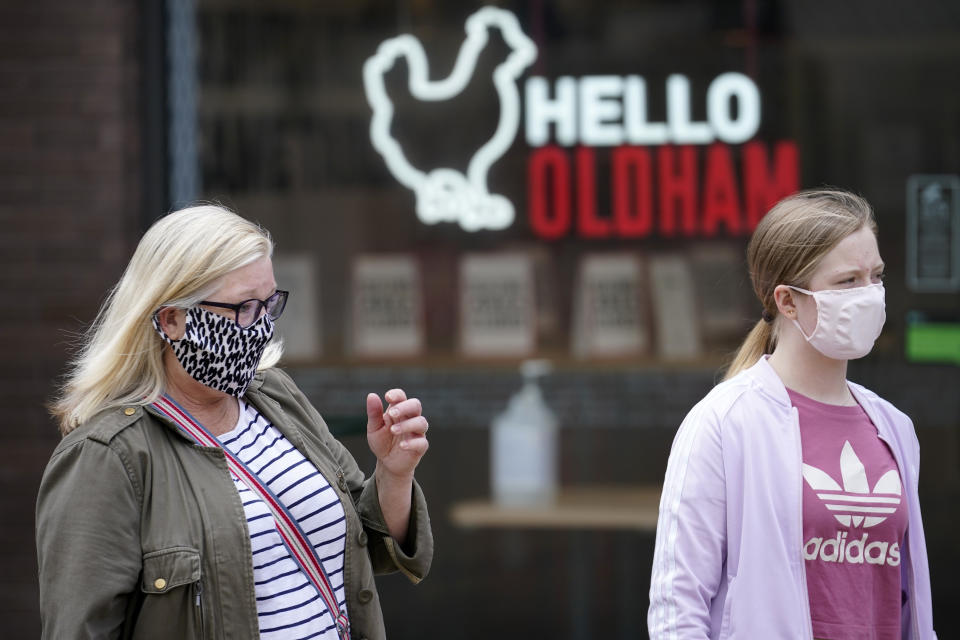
{"points": [[447, 195], [855, 495]]}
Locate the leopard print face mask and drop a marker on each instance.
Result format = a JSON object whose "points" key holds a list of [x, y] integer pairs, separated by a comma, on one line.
{"points": [[218, 353]]}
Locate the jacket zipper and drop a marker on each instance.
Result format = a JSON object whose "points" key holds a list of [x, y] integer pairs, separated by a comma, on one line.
{"points": [[347, 578], [199, 590], [795, 419]]}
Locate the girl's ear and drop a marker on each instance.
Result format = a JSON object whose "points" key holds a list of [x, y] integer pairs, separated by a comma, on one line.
{"points": [[786, 304]]}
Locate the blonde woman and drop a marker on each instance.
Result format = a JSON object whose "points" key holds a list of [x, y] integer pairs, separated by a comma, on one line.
{"points": [[789, 507], [196, 492]]}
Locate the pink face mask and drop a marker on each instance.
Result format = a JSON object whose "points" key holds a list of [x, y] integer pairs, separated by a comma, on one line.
{"points": [[849, 321]]}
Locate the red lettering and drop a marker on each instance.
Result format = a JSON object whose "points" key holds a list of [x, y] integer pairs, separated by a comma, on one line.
{"points": [[548, 174], [684, 205], [632, 208], [762, 189], [678, 186], [720, 201], [589, 224]]}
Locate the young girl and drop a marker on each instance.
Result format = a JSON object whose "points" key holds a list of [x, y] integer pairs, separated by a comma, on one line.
{"points": [[790, 507]]}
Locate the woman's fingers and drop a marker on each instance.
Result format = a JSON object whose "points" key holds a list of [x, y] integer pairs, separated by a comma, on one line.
{"points": [[418, 445], [403, 410], [395, 396], [374, 412], [416, 426]]}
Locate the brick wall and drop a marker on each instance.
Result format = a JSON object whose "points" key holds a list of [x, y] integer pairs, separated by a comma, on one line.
{"points": [[69, 204]]}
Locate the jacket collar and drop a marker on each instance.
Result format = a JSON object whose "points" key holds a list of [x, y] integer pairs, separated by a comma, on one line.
{"points": [[167, 422], [767, 380], [255, 385], [873, 410]]}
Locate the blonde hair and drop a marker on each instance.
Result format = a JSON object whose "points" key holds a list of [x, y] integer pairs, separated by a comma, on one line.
{"points": [[786, 248], [178, 262]]}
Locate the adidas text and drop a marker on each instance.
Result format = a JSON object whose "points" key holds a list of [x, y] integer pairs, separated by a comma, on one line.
{"points": [[855, 551]]}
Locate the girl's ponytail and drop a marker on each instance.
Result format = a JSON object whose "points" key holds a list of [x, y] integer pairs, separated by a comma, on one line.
{"points": [[759, 341]]}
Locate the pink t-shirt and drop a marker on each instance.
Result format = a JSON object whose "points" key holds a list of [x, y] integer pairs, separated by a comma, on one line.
{"points": [[854, 521]]}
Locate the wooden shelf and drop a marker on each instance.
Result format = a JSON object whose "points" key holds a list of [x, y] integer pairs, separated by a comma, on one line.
{"points": [[586, 507]]}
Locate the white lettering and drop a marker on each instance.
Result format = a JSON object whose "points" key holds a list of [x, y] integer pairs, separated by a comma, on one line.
{"points": [[541, 111], [638, 129], [613, 110], [811, 554], [856, 551], [601, 110], [832, 556], [894, 558], [855, 545], [683, 130], [881, 557], [725, 126]]}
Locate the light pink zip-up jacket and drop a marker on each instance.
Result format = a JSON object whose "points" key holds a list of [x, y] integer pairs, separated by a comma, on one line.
{"points": [[729, 553]]}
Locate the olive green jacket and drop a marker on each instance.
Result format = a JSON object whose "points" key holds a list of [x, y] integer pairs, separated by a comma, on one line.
{"points": [[141, 534]]}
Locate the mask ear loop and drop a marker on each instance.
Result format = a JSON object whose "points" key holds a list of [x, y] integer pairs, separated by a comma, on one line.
{"points": [[796, 322]]}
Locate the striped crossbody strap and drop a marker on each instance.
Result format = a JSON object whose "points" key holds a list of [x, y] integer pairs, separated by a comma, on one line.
{"points": [[290, 532]]}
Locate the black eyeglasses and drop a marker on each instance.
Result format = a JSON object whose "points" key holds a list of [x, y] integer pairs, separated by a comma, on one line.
{"points": [[248, 311]]}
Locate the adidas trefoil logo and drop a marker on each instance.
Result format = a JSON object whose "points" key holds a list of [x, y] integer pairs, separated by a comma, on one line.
{"points": [[854, 502]]}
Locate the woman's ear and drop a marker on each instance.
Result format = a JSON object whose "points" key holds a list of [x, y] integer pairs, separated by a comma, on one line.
{"points": [[173, 322], [784, 297]]}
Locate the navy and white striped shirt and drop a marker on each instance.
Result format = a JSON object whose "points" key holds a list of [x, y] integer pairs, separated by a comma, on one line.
{"points": [[288, 605]]}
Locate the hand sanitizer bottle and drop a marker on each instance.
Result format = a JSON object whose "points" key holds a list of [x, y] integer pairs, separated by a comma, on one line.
{"points": [[523, 445]]}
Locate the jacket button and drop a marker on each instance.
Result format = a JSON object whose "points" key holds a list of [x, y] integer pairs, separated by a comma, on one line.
{"points": [[160, 584], [365, 596], [129, 411], [362, 538]]}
